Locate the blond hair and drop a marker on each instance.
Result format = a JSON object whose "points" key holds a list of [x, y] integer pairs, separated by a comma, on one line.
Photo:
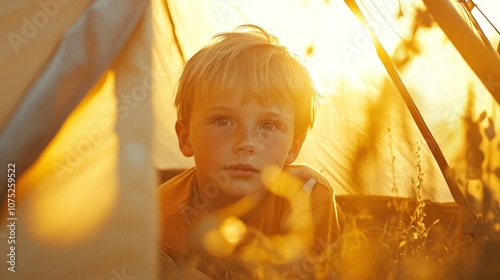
{"points": [[248, 61]]}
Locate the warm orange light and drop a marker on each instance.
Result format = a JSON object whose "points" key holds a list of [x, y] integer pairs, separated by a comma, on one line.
{"points": [[233, 229], [70, 192]]}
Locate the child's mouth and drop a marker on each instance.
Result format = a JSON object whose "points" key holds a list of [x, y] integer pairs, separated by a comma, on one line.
{"points": [[241, 170]]}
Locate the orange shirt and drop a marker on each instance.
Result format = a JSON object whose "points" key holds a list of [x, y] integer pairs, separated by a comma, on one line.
{"points": [[310, 216]]}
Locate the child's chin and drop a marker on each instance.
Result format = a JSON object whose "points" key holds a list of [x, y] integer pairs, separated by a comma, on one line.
{"points": [[241, 190]]}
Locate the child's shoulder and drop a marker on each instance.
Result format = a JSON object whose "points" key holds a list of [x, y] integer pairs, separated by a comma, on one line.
{"points": [[312, 178], [174, 197], [176, 192], [178, 181]]}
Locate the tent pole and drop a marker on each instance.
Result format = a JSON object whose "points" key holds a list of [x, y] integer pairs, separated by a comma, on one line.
{"points": [[468, 11], [485, 64]]}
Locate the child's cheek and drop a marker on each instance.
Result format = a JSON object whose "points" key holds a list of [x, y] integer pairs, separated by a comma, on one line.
{"points": [[214, 137], [266, 137]]}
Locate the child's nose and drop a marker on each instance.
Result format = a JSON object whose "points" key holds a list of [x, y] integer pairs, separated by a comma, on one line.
{"points": [[247, 142]]}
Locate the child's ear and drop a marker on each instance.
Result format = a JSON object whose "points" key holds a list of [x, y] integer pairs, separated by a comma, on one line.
{"points": [[183, 136], [294, 150]]}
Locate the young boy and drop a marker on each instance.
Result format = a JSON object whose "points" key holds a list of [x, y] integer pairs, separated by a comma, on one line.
{"points": [[245, 105]]}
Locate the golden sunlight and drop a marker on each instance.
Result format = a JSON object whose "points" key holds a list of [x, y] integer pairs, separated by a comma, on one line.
{"points": [[233, 229], [57, 189], [221, 241], [216, 244]]}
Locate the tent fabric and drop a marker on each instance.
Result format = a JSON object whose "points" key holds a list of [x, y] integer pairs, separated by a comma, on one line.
{"points": [[87, 114], [30, 36], [85, 208], [83, 54]]}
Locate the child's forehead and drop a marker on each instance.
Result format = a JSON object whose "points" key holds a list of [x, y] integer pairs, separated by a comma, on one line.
{"points": [[237, 101]]}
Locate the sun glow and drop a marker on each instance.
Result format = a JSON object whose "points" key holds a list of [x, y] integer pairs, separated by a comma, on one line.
{"points": [[338, 48]]}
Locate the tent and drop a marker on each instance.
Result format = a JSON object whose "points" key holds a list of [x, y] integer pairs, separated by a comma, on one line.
{"points": [[87, 116]]}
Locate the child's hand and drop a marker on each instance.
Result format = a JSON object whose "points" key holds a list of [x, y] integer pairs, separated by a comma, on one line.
{"points": [[305, 176]]}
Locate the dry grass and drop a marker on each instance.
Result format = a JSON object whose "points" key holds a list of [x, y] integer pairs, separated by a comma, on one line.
{"points": [[402, 239]]}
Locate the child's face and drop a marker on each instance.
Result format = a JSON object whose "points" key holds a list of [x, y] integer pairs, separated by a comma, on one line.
{"points": [[233, 141]]}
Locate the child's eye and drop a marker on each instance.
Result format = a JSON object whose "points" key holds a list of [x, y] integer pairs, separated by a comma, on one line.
{"points": [[269, 126], [223, 121]]}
